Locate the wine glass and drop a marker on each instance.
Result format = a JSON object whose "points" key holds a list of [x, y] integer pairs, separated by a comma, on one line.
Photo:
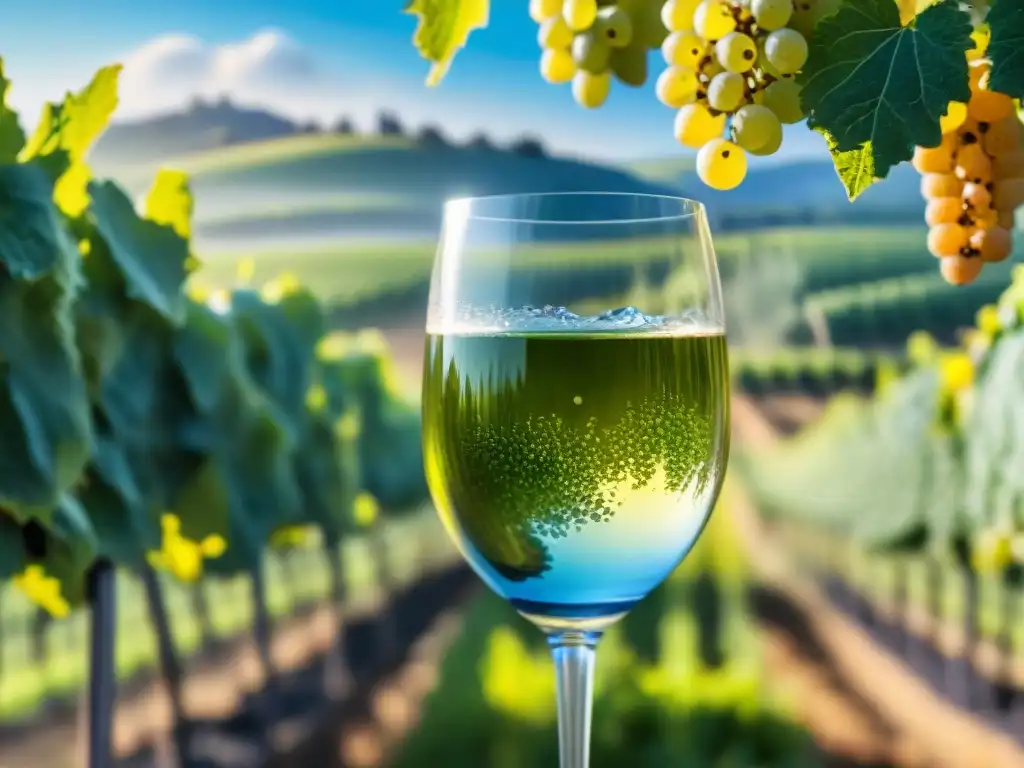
{"points": [[575, 408]]}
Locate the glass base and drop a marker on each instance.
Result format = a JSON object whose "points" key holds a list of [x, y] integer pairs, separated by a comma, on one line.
{"points": [[556, 618]]}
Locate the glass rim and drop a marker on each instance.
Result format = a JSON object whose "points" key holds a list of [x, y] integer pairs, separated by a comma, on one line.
{"points": [[452, 208]]}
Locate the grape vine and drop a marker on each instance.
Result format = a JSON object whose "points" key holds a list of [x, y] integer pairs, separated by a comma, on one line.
{"points": [[877, 78]]}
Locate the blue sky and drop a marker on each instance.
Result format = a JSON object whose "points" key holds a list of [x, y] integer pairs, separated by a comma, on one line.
{"points": [[349, 57]]}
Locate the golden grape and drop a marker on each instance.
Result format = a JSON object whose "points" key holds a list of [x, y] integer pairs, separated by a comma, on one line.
{"points": [[947, 239], [943, 210], [960, 270], [1009, 166], [580, 14], [955, 115], [989, 106], [554, 33], [677, 15], [994, 244], [542, 10], [557, 66], [1003, 136], [972, 164], [677, 86], [935, 185], [591, 89], [695, 126], [1008, 194], [977, 196], [933, 159], [684, 49]]}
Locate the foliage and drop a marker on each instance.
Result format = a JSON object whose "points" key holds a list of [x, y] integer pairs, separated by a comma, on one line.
{"points": [[815, 371], [443, 29], [147, 423]]}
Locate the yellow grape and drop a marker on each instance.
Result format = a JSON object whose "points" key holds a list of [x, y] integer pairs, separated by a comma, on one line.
{"points": [[960, 270], [1009, 166], [580, 14], [955, 115], [935, 185], [994, 244], [989, 106], [985, 218], [1003, 136], [1009, 193], [684, 49], [542, 10], [713, 20], [969, 131], [972, 164], [933, 159], [726, 92], [946, 239], [943, 210], [591, 89], [677, 87], [721, 164], [557, 66], [736, 52], [554, 33], [677, 15], [695, 126], [977, 196]]}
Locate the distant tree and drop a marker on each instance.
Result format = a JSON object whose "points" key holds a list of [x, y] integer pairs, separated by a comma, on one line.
{"points": [[310, 126], [345, 127], [528, 146], [432, 136], [482, 142], [388, 124]]}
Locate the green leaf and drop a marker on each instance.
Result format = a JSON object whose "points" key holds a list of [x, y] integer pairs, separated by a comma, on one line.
{"points": [[151, 256], [444, 28], [12, 548], [201, 351], [869, 79], [202, 504], [33, 238], [856, 168], [12, 138], [1006, 47], [125, 526], [71, 548]]}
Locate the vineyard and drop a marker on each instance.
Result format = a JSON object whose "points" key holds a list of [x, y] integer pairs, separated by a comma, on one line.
{"points": [[217, 545]]}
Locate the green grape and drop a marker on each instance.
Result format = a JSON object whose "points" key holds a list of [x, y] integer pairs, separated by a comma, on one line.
{"points": [[807, 13], [721, 164], [557, 66], [736, 52], [542, 10], [713, 19], [695, 126], [726, 91], [591, 52], [771, 146], [771, 14], [755, 127], [554, 33], [762, 61], [630, 64], [615, 25], [783, 98], [579, 14], [684, 49], [677, 15], [591, 89], [677, 87], [786, 49]]}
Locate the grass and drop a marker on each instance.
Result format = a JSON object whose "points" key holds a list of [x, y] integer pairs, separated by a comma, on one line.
{"points": [[25, 685]]}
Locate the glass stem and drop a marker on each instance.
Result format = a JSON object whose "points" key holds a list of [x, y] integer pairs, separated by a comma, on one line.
{"points": [[574, 654]]}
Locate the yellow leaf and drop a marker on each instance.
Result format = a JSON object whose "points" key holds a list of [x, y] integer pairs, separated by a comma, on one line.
{"points": [[444, 28], [169, 202], [70, 193], [366, 509], [213, 546], [957, 370]]}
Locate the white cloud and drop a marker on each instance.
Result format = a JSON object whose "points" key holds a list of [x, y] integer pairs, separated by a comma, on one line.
{"points": [[268, 68]]}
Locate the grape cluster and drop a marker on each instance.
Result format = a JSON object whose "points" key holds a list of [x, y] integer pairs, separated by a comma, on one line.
{"points": [[973, 180], [730, 75], [587, 42]]}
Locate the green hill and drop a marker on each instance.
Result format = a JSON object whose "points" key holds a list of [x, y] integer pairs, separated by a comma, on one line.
{"points": [[313, 190]]}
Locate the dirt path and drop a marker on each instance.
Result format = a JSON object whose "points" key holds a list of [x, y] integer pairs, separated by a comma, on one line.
{"points": [[922, 730]]}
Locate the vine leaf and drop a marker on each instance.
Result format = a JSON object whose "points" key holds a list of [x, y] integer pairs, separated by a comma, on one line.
{"points": [[855, 167], [33, 239], [1006, 47], [65, 133], [12, 138], [151, 256], [880, 87], [444, 28]]}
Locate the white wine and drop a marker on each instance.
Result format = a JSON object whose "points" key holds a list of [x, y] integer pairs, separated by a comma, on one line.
{"points": [[575, 469]]}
